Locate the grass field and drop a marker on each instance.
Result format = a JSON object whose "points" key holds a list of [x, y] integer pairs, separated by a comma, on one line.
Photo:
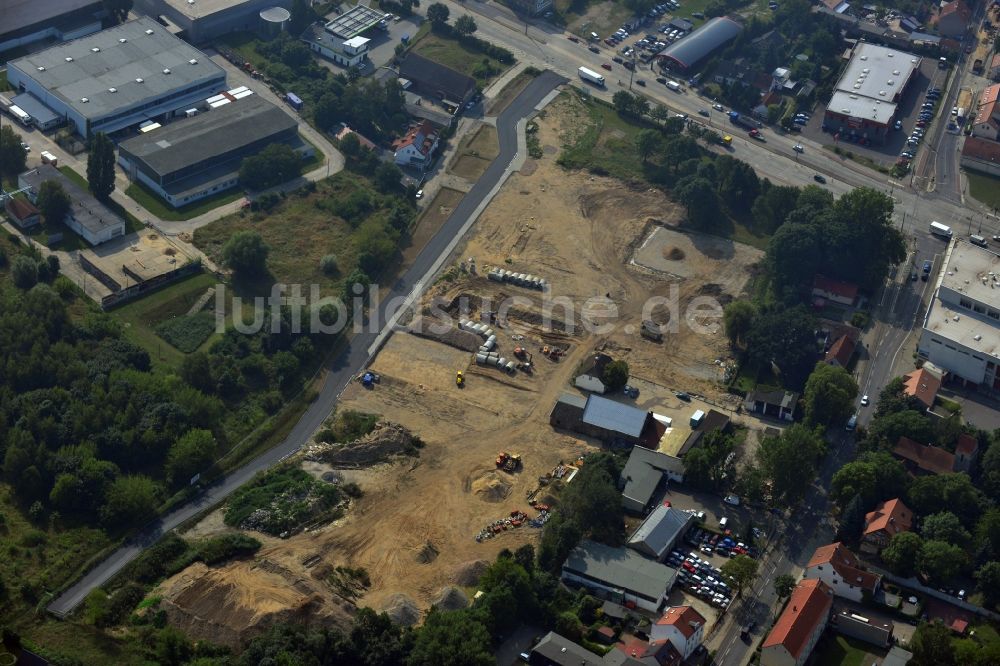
{"points": [[450, 53], [984, 188], [142, 317], [843, 651], [607, 143], [187, 332], [475, 153], [157, 207]]}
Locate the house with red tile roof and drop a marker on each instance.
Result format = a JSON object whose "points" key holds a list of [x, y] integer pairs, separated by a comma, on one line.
{"points": [[966, 452], [345, 131], [887, 520], [923, 458], [683, 626], [922, 385], [637, 652], [987, 120], [835, 291], [840, 352], [417, 147], [23, 213], [839, 568], [800, 625], [954, 19]]}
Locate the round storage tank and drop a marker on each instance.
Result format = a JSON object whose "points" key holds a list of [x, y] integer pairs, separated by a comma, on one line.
{"points": [[273, 21]]}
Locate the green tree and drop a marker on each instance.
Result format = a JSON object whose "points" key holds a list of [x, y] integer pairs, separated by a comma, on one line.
{"points": [[53, 202], [192, 454], [940, 560], [452, 638], [829, 395], [705, 466], [783, 585], [740, 572], [790, 462], [129, 499], [932, 645], [700, 202], [855, 479], [772, 206], [465, 25], [955, 491], [437, 14], [988, 577], [902, 553], [24, 272], [303, 15], [13, 156], [350, 145], [246, 253], [277, 163], [647, 142], [101, 166], [387, 178], [944, 526], [852, 521], [738, 319], [615, 376], [117, 9], [95, 607], [784, 340]]}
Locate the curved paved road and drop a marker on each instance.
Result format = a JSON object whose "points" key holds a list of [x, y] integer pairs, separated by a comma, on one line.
{"points": [[347, 364]]}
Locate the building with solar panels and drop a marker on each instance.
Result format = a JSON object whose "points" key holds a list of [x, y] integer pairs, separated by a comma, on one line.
{"points": [[119, 77], [357, 21], [691, 51]]}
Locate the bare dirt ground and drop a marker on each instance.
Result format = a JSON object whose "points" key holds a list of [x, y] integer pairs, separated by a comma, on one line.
{"points": [[414, 529], [475, 153]]}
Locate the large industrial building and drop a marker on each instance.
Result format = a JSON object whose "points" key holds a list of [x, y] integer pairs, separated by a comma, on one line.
{"points": [[28, 21], [961, 332], [199, 21], [865, 98], [119, 77], [694, 49], [193, 158]]}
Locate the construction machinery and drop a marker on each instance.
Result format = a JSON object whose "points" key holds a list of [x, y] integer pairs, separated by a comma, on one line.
{"points": [[459, 379], [508, 462]]}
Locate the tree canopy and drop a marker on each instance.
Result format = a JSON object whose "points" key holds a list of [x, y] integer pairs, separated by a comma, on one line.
{"points": [[829, 395], [101, 166], [13, 156], [53, 202], [790, 461], [246, 253], [278, 163]]}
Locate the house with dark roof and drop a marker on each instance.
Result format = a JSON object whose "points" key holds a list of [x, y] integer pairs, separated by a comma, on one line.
{"points": [[567, 413], [694, 49], [619, 574], [556, 650], [887, 520], [644, 474], [660, 531], [838, 567], [851, 622], [432, 79], [953, 19], [88, 217], [22, 212], [416, 148], [835, 291], [923, 458], [618, 424], [682, 626], [840, 352], [776, 403], [712, 421], [923, 385], [800, 625], [590, 376]]}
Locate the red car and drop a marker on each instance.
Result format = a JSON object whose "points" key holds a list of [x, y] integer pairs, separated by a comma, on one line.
{"points": [[687, 567], [606, 66]]}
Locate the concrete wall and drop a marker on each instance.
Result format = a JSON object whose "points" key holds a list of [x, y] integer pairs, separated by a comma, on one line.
{"points": [[957, 359], [992, 168], [590, 383]]}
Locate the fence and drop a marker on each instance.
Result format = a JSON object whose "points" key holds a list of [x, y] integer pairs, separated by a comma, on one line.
{"points": [[101, 276], [142, 288]]}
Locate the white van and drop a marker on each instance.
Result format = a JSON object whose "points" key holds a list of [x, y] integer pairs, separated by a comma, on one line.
{"points": [[723, 522]]}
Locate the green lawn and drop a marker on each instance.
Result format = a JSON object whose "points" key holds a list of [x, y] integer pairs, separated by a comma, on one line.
{"points": [[603, 140], [984, 188], [843, 651], [141, 317], [157, 207], [447, 51]]}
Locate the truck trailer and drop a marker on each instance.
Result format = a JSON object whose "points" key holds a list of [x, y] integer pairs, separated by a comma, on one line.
{"points": [[591, 76], [741, 121]]}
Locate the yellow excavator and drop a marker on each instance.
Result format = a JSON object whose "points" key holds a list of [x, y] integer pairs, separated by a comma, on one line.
{"points": [[460, 379]]}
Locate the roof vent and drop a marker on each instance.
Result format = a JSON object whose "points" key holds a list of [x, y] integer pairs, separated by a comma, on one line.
{"points": [[84, 100], [96, 49], [882, 93], [112, 90], [166, 71], [149, 31], [864, 57], [889, 55], [866, 70], [891, 82], [122, 40], [69, 59], [193, 61], [895, 72], [139, 80], [41, 69]]}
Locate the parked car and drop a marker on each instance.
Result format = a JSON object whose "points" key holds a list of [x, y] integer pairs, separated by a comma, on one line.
{"points": [[731, 499], [419, 194], [898, 125], [927, 266], [573, 39], [703, 112], [718, 107], [640, 82], [797, 148], [819, 179], [606, 66]]}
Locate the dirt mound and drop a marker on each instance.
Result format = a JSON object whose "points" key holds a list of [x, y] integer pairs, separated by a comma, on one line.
{"points": [[491, 487], [673, 253], [451, 598], [385, 441], [402, 610], [435, 329], [427, 553], [468, 574], [232, 604]]}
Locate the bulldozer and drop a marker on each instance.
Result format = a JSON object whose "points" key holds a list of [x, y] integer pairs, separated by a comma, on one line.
{"points": [[509, 462], [459, 379]]}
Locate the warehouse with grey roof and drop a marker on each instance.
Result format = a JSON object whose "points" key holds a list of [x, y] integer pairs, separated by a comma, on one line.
{"points": [[622, 574], [192, 158], [199, 21], [118, 77], [699, 45]]}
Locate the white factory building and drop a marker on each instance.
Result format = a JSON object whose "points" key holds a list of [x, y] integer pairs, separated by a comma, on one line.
{"points": [[119, 77], [961, 332]]}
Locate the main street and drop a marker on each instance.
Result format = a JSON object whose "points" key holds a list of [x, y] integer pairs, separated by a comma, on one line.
{"points": [[350, 361]]}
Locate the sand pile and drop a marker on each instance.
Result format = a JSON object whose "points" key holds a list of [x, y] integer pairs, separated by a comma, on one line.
{"points": [[468, 574], [491, 487], [402, 610], [427, 553], [451, 598], [673, 253], [386, 440]]}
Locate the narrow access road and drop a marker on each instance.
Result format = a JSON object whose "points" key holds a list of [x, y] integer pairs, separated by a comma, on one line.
{"points": [[350, 361]]}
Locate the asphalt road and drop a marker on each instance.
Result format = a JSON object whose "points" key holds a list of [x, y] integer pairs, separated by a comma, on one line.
{"points": [[348, 363]]}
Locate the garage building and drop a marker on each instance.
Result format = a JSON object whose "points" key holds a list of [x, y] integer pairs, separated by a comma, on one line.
{"points": [[694, 49], [118, 77], [660, 531], [87, 216]]}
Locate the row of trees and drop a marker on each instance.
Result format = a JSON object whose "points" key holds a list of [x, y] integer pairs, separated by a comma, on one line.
{"points": [[277, 163]]}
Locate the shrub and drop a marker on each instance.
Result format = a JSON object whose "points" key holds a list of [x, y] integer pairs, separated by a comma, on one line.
{"points": [[328, 264], [226, 547]]}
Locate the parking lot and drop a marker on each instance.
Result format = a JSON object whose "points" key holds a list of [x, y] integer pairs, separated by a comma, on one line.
{"points": [[928, 76]]}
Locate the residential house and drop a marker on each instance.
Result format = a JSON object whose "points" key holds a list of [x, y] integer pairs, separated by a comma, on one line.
{"points": [[619, 574], [838, 567], [835, 291], [346, 53], [645, 473], [872, 630], [800, 625], [923, 458], [966, 452], [772, 97], [556, 650], [887, 520], [637, 652], [986, 124], [777, 404], [840, 352], [660, 531], [437, 81], [345, 131], [592, 373], [22, 212], [954, 19], [416, 148], [981, 155], [923, 385], [682, 626]]}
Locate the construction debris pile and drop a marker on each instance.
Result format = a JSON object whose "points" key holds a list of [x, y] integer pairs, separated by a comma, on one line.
{"points": [[517, 279], [516, 519], [386, 440], [291, 509]]}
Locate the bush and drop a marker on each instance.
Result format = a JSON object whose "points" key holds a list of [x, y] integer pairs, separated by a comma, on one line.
{"points": [[226, 547], [328, 264]]}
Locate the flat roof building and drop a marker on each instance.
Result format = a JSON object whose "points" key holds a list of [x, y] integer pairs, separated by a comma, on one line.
{"points": [[432, 79], [622, 573], [203, 20], [864, 101], [356, 21], [192, 158], [29, 21], [87, 216], [660, 531], [118, 77], [700, 44], [961, 330]]}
